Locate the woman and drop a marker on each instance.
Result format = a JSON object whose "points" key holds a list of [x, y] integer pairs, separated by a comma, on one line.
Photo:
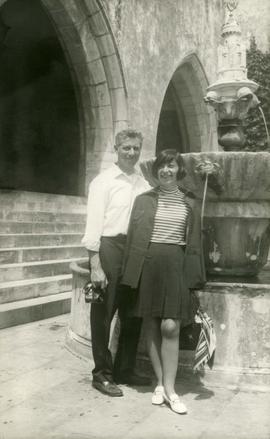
{"points": [[163, 261]]}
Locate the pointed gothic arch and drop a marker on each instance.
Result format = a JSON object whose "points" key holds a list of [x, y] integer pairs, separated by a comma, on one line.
{"points": [[185, 122]]}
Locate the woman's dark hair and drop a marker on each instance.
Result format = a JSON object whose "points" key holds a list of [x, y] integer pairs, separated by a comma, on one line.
{"points": [[167, 156]]}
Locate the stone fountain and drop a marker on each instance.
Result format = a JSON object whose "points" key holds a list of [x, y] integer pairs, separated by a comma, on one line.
{"points": [[236, 226]]}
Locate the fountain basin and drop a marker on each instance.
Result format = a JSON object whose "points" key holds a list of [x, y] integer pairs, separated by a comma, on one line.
{"points": [[246, 175], [236, 221]]}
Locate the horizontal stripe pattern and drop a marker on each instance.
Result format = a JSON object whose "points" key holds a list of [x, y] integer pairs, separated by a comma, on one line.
{"points": [[171, 218]]}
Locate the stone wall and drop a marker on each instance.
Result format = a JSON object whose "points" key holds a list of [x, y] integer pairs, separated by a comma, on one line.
{"points": [[156, 37]]}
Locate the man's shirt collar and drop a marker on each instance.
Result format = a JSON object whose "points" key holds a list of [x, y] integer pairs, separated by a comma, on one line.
{"points": [[117, 172]]}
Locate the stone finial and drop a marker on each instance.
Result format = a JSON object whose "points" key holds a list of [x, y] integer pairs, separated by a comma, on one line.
{"points": [[232, 50], [232, 95]]}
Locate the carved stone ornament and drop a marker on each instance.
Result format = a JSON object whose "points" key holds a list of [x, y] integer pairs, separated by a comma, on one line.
{"points": [[231, 5]]}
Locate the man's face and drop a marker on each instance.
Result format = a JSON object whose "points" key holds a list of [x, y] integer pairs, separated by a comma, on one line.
{"points": [[128, 153]]}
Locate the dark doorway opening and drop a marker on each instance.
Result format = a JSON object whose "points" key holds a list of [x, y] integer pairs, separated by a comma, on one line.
{"points": [[39, 123], [170, 133]]}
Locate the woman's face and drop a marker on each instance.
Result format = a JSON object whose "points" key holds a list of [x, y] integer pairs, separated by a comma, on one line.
{"points": [[167, 174]]}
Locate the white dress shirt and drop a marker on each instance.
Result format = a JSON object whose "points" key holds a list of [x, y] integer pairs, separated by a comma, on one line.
{"points": [[110, 200]]}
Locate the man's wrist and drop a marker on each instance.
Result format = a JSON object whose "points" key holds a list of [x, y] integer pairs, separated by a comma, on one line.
{"points": [[94, 260]]}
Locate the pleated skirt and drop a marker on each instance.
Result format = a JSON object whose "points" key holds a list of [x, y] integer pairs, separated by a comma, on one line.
{"points": [[163, 291]]}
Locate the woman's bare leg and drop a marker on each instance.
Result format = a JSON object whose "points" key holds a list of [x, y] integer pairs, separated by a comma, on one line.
{"points": [[169, 353], [153, 341]]}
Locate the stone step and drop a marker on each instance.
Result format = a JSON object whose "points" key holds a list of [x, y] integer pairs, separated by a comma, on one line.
{"points": [[14, 291], [30, 310], [43, 227], [31, 270], [36, 201], [28, 254], [35, 216], [9, 240]]}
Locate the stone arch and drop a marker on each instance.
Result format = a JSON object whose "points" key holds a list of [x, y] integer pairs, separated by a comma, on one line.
{"points": [[94, 60], [196, 121], [87, 40]]}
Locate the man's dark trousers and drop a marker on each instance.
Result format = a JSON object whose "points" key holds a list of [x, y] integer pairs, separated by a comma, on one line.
{"points": [[117, 297]]}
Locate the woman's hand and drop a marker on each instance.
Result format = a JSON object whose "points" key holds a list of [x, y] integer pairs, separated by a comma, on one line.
{"points": [[208, 167], [214, 173]]}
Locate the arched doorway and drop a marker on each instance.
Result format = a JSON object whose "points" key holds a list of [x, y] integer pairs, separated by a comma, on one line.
{"points": [[184, 120], [171, 127], [95, 64], [93, 61], [39, 123]]}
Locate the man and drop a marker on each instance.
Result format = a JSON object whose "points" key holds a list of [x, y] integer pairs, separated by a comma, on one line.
{"points": [[110, 200]]}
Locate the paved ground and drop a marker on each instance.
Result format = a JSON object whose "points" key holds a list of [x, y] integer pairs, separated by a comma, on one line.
{"points": [[45, 392]]}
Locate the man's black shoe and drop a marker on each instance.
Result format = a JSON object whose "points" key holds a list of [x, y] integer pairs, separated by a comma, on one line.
{"points": [[107, 388], [133, 379]]}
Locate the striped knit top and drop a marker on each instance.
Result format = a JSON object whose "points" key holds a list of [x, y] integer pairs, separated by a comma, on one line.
{"points": [[171, 218]]}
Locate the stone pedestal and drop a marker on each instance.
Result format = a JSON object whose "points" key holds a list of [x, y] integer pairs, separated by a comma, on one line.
{"points": [[78, 339], [241, 315]]}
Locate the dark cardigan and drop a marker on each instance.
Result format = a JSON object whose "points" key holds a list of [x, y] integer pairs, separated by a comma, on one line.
{"points": [[139, 234]]}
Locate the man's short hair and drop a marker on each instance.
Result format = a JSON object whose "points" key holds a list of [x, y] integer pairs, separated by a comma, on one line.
{"points": [[127, 134]]}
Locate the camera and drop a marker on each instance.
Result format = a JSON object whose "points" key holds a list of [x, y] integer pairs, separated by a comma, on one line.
{"points": [[93, 294]]}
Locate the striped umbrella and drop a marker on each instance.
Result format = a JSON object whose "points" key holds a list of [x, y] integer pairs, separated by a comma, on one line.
{"points": [[205, 350]]}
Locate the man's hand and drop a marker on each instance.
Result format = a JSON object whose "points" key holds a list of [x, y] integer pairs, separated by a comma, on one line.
{"points": [[98, 277]]}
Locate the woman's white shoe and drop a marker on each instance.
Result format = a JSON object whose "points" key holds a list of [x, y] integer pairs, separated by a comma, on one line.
{"points": [[176, 405], [158, 395]]}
